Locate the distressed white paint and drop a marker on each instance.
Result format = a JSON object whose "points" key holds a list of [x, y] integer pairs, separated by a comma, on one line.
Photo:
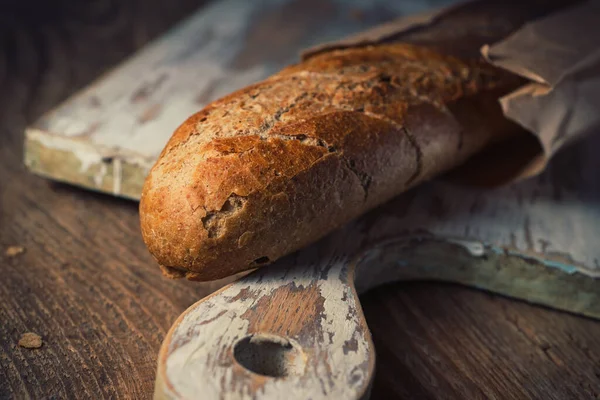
{"points": [[530, 221], [103, 121], [86, 154], [198, 360], [524, 221], [117, 177], [195, 358], [523, 217], [179, 72], [473, 247], [108, 120], [99, 177]]}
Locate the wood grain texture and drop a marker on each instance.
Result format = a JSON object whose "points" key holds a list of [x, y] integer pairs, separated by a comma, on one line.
{"points": [[309, 299], [306, 302], [309, 303], [435, 350], [86, 284]]}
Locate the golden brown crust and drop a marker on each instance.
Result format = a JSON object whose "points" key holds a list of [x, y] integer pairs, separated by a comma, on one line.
{"points": [[279, 164]]}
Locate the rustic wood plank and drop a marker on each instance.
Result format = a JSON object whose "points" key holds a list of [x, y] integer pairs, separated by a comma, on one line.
{"points": [[84, 282], [306, 309], [305, 306], [430, 340], [87, 284], [107, 136]]}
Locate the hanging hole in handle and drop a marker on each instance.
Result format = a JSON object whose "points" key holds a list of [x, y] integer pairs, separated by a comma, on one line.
{"points": [[269, 355]]}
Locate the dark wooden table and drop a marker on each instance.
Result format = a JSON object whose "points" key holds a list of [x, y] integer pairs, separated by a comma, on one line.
{"points": [[87, 285]]}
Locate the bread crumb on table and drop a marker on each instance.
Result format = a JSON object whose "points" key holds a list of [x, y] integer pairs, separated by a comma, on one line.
{"points": [[30, 340], [13, 251]]}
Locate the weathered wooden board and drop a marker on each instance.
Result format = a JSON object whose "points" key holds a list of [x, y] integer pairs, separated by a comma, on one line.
{"points": [[89, 287], [108, 136], [535, 241], [296, 330]]}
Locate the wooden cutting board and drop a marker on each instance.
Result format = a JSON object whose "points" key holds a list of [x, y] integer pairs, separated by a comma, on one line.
{"points": [[107, 136], [534, 241], [295, 329]]}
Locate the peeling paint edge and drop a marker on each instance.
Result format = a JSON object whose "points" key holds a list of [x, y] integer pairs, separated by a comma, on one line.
{"points": [[473, 247], [86, 151], [564, 267], [478, 248], [502, 271], [88, 156]]}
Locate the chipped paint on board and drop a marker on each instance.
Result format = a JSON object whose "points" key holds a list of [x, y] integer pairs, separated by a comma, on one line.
{"points": [[314, 301], [134, 109], [473, 247], [202, 342]]}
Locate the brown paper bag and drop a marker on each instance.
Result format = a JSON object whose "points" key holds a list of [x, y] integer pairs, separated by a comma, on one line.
{"points": [[558, 54]]}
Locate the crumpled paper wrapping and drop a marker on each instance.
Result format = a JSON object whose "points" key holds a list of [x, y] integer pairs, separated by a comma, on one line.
{"points": [[560, 56]]}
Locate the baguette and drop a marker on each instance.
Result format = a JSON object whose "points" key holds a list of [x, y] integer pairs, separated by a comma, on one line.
{"points": [[277, 165]]}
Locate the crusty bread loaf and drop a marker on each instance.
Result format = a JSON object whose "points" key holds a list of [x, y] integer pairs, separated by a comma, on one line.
{"points": [[277, 165]]}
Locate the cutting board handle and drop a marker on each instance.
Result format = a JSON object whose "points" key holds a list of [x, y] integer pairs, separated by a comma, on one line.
{"points": [[291, 330], [296, 330]]}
